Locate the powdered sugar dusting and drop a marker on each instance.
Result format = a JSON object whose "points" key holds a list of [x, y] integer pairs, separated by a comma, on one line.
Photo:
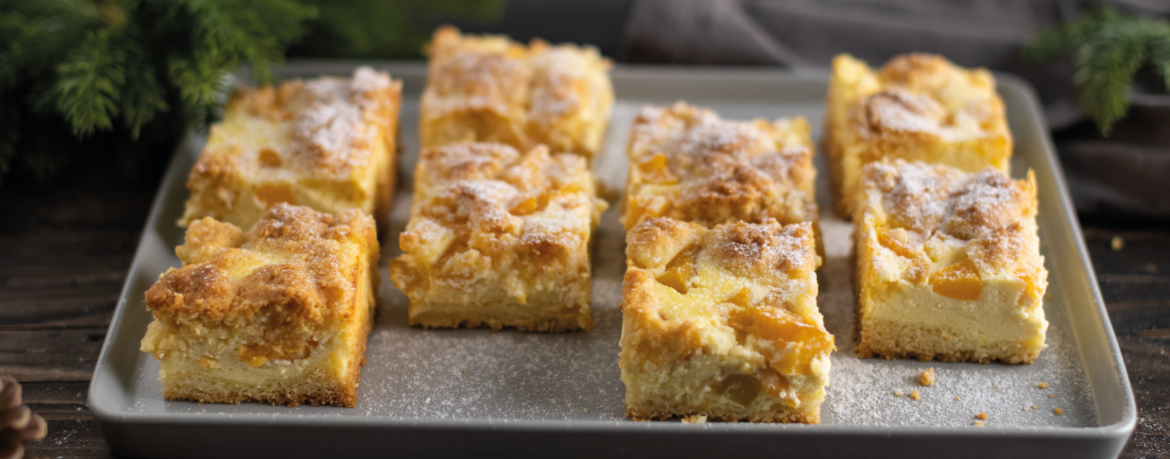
{"points": [[329, 131], [416, 374]]}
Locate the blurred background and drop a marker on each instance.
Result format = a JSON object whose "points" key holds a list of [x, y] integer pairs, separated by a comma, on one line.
{"points": [[117, 83]]}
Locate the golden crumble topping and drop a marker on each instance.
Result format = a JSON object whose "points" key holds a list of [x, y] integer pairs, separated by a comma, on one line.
{"points": [[918, 107], [730, 313], [292, 265], [328, 120], [326, 143], [688, 164], [928, 94], [924, 211], [934, 244], [490, 89], [488, 218], [276, 314]]}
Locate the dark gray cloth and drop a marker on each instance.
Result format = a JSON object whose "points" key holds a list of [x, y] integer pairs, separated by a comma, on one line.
{"points": [[1128, 173]]}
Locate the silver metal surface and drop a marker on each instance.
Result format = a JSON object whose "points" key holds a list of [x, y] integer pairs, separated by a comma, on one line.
{"points": [[442, 392]]}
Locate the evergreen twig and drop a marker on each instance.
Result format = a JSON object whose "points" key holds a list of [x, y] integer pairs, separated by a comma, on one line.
{"points": [[1108, 49]]}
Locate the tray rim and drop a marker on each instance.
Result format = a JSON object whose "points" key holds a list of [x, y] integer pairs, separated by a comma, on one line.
{"points": [[110, 417]]}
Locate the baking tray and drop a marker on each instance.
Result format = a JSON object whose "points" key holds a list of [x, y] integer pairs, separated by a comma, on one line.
{"points": [[475, 392]]}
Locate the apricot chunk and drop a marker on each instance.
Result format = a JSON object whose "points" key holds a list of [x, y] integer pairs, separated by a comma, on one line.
{"points": [[271, 194], [739, 388], [796, 343], [674, 280], [959, 281], [656, 170], [525, 207]]}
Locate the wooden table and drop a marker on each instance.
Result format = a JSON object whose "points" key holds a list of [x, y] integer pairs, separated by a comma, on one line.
{"points": [[65, 250]]}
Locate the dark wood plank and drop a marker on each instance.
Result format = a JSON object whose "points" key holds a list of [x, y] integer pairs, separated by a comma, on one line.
{"points": [[1135, 284], [64, 253], [73, 433]]}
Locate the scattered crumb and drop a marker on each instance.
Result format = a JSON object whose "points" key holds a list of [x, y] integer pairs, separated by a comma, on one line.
{"points": [[465, 370], [1042, 385], [1024, 409], [1051, 396], [981, 415], [926, 378], [898, 393], [995, 385], [477, 383], [1058, 411], [1117, 243], [586, 410], [408, 367], [978, 424], [695, 419], [957, 398], [1034, 407], [914, 395]]}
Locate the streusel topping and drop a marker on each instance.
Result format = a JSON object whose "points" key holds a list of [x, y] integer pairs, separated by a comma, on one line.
{"points": [[295, 259], [713, 171]]}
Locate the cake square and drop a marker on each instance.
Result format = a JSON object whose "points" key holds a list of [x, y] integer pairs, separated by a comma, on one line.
{"points": [[919, 107], [688, 164], [327, 143], [723, 323], [491, 89], [277, 314], [497, 238], [948, 264]]}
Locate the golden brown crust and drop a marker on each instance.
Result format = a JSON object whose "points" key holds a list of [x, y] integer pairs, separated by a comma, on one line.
{"points": [[498, 238], [781, 414], [930, 234], [264, 299], [918, 107], [490, 89], [688, 164], [985, 208], [327, 143], [306, 284], [722, 322]]}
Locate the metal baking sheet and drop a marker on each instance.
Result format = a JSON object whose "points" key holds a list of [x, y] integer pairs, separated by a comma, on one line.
{"points": [[459, 392]]}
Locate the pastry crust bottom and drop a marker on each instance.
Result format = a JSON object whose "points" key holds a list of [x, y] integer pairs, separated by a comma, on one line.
{"points": [[890, 340], [648, 410], [535, 315]]}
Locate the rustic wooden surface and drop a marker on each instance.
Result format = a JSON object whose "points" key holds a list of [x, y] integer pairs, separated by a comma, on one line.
{"points": [[65, 251]]}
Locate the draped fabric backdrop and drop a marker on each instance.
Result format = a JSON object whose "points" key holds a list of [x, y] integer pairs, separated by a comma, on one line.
{"points": [[1127, 173]]}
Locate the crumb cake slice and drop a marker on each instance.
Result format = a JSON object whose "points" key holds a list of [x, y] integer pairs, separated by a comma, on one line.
{"points": [[948, 265], [278, 314], [723, 323], [327, 143], [919, 107], [497, 238], [688, 164], [491, 89]]}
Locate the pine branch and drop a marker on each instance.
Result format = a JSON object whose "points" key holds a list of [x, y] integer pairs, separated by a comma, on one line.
{"points": [[1108, 49], [143, 96], [108, 73], [89, 83]]}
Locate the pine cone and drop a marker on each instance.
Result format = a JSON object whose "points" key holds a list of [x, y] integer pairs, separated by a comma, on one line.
{"points": [[18, 425]]}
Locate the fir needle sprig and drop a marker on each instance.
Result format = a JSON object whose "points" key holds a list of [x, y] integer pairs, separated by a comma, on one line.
{"points": [[1108, 48], [111, 68]]}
